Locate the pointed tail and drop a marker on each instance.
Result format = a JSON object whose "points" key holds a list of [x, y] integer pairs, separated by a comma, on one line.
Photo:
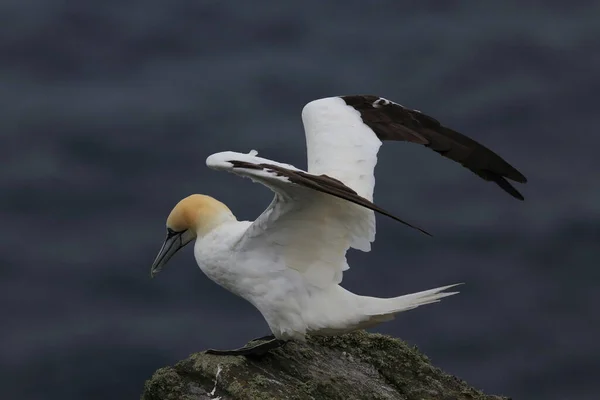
{"points": [[384, 309]]}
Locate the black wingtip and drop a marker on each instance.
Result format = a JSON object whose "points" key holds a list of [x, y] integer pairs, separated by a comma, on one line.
{"points": [[514, 174], [424, 231], [507, 187], [421, 230], [408, 224]]}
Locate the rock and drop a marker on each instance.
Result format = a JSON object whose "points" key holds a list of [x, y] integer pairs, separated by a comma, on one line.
{"points": [[358, 365]]}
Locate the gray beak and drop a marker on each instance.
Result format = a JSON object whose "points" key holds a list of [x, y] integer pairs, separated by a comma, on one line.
{"points": [[172, 244]]}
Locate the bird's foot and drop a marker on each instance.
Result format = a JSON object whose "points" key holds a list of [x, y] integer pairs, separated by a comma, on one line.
{"points": [[266, 337], [256, 350]]}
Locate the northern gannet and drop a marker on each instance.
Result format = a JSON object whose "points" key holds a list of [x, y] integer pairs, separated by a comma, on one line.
{"points": [[289, 262]]}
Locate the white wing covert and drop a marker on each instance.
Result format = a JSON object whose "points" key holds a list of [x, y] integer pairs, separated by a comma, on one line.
{"points": [[340, 145]]}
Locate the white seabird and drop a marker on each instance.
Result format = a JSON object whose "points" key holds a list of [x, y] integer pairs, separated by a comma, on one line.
{"points": [[289, 262]]}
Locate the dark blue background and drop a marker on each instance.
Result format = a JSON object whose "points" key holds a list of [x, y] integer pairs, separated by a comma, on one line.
{"points": [[109, 109]]}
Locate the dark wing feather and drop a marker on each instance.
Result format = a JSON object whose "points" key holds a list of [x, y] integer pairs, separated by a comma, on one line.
{"points": [[322, 183], [391, 121]]}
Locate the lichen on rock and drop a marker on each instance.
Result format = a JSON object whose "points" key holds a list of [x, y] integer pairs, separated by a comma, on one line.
{"points": [[354, 366]]}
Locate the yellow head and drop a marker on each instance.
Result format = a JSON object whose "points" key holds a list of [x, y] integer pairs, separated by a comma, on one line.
{"points": [[192, 217]]}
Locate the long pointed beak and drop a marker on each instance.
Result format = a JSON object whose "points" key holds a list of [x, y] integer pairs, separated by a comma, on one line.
{"points": [[171, 245]]}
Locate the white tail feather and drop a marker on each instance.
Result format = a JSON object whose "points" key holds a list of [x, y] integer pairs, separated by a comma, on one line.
{"points": [[361, 312], [387, 307]]}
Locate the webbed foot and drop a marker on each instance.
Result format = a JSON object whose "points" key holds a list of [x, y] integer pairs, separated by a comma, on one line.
{"points": [[256, 350], [266, 337]]}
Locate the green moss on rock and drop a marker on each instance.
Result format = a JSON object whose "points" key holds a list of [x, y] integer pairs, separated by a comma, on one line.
{"points": [[355, 366]]}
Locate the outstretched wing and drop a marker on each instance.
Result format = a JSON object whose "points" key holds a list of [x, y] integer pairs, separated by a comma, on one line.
{"points": [[312, 220], [317, 215], [343, 135]]}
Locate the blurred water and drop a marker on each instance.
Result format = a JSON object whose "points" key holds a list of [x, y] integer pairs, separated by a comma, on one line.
{"points": [[109, 109]]}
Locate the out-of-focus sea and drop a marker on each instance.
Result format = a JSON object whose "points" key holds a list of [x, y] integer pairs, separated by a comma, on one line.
{"points": [[109, 109]]}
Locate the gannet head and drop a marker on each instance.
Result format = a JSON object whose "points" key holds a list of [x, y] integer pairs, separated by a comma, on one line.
{"points": [[192, 217]]}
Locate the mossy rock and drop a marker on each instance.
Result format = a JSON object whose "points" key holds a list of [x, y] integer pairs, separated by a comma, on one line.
{"points": [[355, 366]]}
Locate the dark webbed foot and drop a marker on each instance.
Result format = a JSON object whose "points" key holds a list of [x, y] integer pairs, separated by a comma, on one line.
{"points": [[267, 337], [250, 350]]}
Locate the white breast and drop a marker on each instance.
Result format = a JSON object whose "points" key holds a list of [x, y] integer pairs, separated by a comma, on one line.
{"points": [[258, 275]]}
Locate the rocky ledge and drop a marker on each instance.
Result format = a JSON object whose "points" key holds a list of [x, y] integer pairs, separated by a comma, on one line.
{"points": [[359, 365]]}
